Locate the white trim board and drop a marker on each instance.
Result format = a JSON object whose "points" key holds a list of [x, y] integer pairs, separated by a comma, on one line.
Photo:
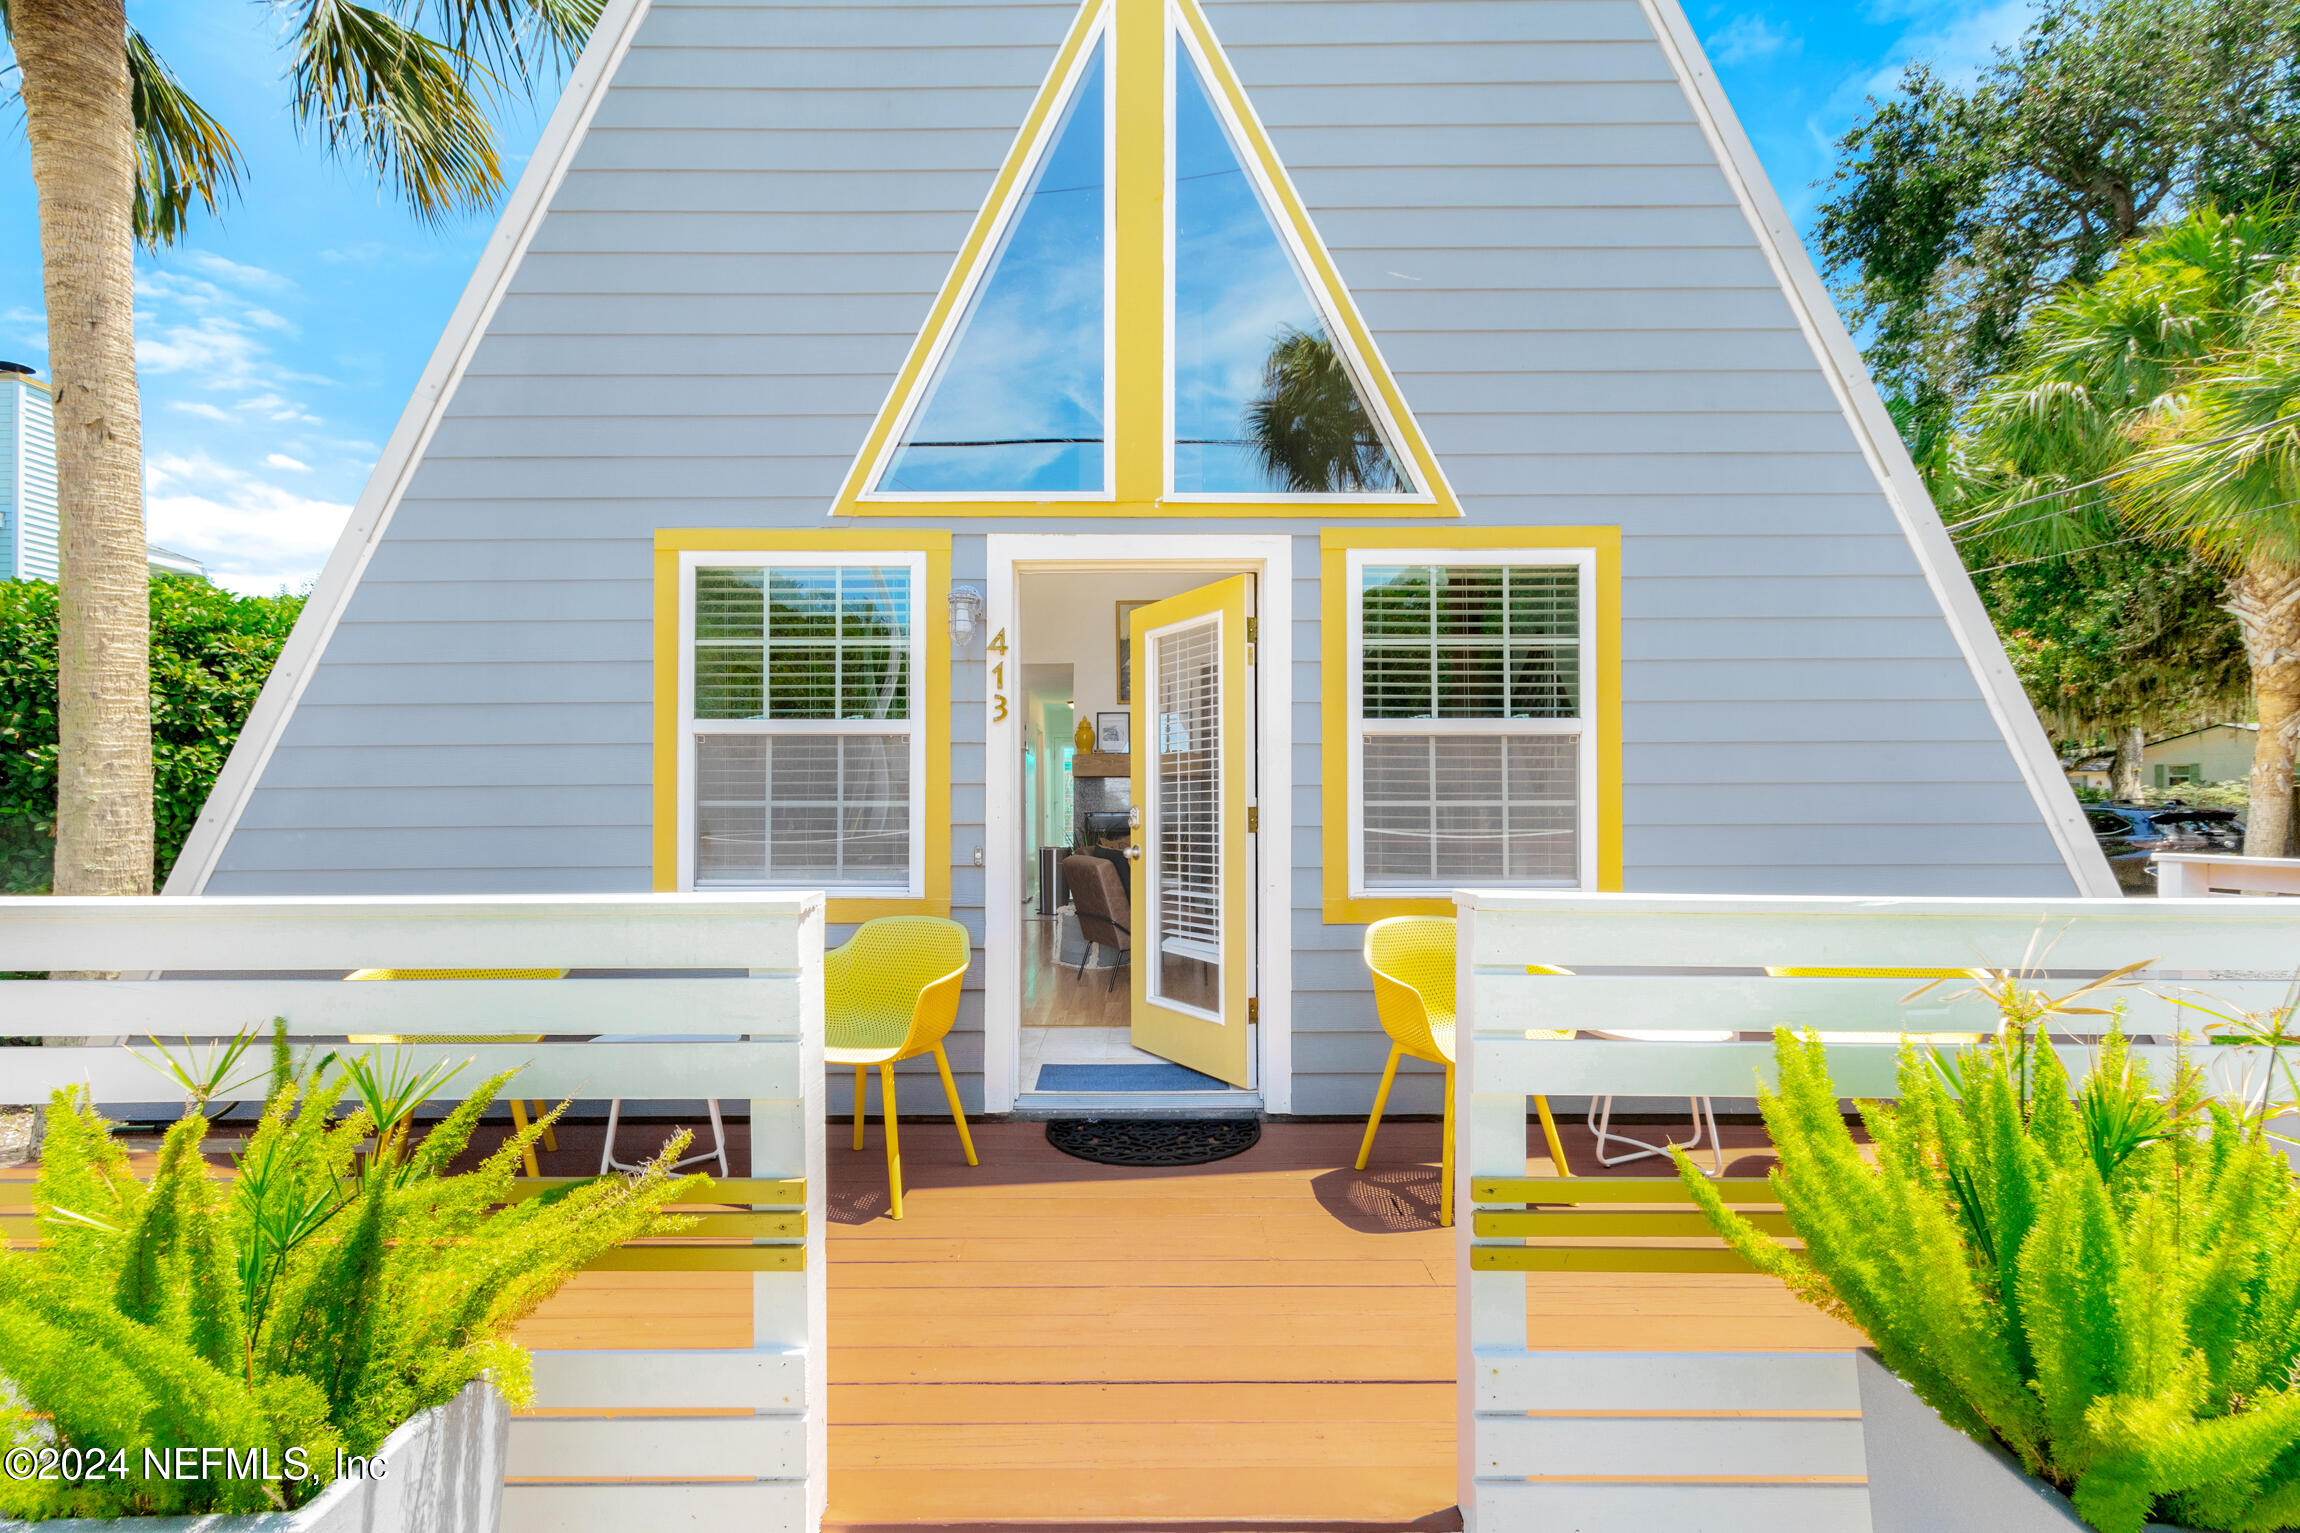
{"points": [[498, 262], [1888, 458], [1271, 557]]}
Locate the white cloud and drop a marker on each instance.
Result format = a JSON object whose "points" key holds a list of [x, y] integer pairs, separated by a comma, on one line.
{"points": [[231, 271], [282, 460], [200, 408], [252, 534], [1746, 37]]}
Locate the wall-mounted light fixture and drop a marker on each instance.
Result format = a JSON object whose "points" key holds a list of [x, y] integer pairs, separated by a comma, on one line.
{"points": [[965, 615]]}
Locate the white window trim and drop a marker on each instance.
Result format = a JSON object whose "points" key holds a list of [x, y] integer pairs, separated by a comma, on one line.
{"points": [[689, 725], [1582, 560]]}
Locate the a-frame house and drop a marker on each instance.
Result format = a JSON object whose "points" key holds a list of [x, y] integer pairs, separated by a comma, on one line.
{"points": [[1406, 434]]}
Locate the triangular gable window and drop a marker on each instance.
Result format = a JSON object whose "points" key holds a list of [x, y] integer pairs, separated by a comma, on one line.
{"points": [[1017, 402], [1264, 402], [1144, 317]]}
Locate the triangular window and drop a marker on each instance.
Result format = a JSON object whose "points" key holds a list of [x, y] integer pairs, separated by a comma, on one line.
{"points": [[1264, 402], [1018, 402]]}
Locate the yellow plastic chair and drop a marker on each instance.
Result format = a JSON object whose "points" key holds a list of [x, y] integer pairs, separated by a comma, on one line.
{"points": [[1412, 961], [519, 1109], [890, 993]]}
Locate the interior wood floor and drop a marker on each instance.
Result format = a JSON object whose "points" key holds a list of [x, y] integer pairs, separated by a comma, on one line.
{"points": [[1055, 995]]}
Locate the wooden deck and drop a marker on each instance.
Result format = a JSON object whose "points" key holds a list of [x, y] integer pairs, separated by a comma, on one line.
{"points": [[1266, 1341]]}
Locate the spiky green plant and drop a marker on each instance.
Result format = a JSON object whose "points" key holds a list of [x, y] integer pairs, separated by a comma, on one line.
{"points": [[2106, 1280], [317, 1299]]}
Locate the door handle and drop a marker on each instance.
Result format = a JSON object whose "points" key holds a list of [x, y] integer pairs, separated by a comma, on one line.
{"points": [[1133, 854]]}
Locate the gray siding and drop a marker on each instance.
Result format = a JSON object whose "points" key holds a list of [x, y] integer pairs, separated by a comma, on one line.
{"points": [[1554, 268]]}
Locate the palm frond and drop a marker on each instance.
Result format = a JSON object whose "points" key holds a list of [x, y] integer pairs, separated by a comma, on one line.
{"points": [[183, 155], [402, 102], [515, 37]]}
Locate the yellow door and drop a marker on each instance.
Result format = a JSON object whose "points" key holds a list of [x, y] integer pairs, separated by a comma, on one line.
{"points": [[1193, 724]]}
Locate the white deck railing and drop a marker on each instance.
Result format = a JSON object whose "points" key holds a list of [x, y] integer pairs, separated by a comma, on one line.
{"points": [[746, 968], [1618, 1442], [2188, 874]]}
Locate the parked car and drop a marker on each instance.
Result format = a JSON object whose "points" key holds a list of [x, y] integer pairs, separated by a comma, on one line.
{"points": [[2129, 834]]}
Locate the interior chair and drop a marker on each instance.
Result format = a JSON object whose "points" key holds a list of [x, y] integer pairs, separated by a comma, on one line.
{"points": [[519, 1109], [1412, 962], [890, 993], [1103, 912]]}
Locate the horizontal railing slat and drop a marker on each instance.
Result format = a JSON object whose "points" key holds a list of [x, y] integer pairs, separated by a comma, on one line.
{"points": [[766, 1007], [1604, 1259], [1509, 997], [572, 931], [1580, 930], [678, 1258], [1612, 1189], [768, 1068], [1681, 1448], [1712, 1508], [771, 1192], [764, 1379], [1655, 1223], [1601, 1068], [1666, 1383], [658, 1448], [757, 1506]]}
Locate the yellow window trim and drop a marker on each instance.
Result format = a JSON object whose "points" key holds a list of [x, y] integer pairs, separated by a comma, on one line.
{"points": [[1140, 52], [933, 691], [1334, 547]]}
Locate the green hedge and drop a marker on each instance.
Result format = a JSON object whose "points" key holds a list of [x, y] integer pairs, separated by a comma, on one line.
{"points": [[210, 653]]}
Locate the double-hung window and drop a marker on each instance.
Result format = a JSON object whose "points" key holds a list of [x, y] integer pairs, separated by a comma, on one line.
{"points": [[802, 758], [1470, 755]]}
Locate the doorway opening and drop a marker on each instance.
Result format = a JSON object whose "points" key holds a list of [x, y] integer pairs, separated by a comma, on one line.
{"points": [[1128, 965], [1087, 888]]}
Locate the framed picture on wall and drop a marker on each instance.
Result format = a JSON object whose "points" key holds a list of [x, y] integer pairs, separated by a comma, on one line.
{"points": [[1125, 651], [1114, 733]]}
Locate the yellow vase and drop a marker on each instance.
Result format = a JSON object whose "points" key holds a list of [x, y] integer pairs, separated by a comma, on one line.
{"points": [[1084, 738]]}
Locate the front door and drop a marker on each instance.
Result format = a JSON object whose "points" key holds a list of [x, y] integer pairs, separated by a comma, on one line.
{"points": [[1193, 748]]}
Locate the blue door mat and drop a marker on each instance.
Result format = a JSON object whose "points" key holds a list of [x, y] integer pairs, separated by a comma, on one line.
{"points": [[1158, 1077]]}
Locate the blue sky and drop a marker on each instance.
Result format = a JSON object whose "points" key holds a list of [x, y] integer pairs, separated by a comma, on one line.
{"points": [[278, 345]]}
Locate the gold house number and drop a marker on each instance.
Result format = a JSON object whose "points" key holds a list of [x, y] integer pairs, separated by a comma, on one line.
{"points": [[997, 646]]}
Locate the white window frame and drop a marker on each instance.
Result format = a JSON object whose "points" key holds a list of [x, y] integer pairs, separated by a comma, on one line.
{"points": [[689, 726], [1582, 560]]}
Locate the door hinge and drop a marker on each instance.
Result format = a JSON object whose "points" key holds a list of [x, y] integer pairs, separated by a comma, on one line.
{"points": [[1253, 1008], [1253, 637], [1253, 818]]}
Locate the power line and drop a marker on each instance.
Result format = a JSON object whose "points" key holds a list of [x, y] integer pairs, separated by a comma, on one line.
{"points": [[2114, 473]]}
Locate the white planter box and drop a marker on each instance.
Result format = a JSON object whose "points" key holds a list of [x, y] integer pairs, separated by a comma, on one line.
{"points": [[1925, 1476], [440, 1472]]}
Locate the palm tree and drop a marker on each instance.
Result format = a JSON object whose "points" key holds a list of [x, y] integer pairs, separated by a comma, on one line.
{"points": [[120, 154], [2143, 409], [1308, 426]]}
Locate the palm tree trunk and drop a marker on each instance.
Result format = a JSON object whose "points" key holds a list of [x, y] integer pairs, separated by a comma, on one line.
{"points": [[2265, 600], [2124, 776], [77, 118]]}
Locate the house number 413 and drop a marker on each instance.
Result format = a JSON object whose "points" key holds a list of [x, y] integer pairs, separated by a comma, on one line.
{"points": [[997, 646]]}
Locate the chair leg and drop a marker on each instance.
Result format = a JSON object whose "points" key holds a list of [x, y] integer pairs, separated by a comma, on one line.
{"points": [[893, 1140], [550, 1134], [519, 1126], [719, 1137], [1549, 1133], [607, 1148], [861, 1073], [1381, 1100], [1445, 1156], [957, 1113], [1084, 956]]}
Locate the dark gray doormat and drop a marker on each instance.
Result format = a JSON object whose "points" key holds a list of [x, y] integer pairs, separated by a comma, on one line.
{"points": [[1153, 1141]]}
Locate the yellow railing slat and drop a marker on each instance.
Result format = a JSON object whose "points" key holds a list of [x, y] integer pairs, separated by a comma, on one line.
{"points": [[1574, 1189], [1647, 1222], [1603, 1259]]}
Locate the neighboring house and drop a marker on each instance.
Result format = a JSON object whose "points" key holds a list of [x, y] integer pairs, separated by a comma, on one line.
{"points": [[1437, 392], [27, 476], [28, 530], [2215, 753]]}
